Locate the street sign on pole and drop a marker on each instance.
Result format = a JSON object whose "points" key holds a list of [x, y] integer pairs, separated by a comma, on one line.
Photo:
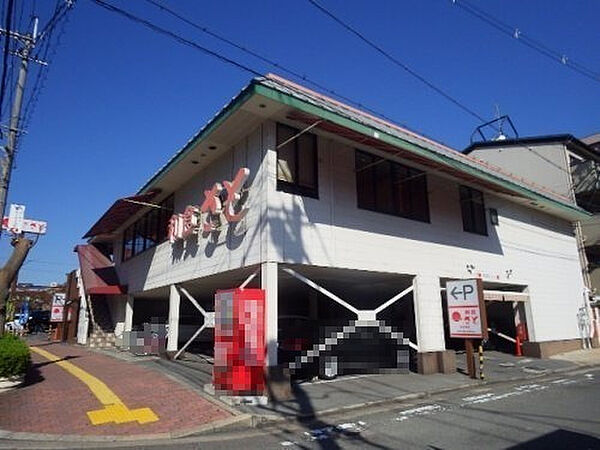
{"points": [[26, 226], [466, 315], [16, 217], [466, 309], [58, 304]]}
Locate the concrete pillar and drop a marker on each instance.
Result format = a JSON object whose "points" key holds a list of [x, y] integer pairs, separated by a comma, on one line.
{"points": [[428, 313], [429, 320], [268, 274], [173, 334], [129, 313]]}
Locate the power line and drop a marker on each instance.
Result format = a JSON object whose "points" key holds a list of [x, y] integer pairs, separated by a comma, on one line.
{"points": [[176, 37], [294, 73], [380, 50], [46, 52], [396, 61], [516, 33], [197, 46], [8, 24]]}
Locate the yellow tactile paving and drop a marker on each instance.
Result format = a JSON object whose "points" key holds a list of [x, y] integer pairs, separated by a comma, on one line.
{"points": [[114, 409]]}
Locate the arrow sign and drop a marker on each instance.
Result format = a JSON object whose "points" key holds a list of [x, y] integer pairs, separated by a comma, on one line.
{"points": [[465, 309], [466, 291]]}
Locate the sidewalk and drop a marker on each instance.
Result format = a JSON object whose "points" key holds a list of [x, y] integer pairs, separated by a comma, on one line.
{"points": [[56, 402], [320, 398], [68, 388]]}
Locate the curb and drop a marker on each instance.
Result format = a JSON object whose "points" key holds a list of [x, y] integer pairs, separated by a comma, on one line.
{"points": [[268, 420], [244, 421]]}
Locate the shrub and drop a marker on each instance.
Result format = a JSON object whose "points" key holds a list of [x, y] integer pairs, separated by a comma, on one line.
{"points": [[14, 356]]}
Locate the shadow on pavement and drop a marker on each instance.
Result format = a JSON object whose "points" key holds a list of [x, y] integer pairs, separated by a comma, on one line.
{"points": [[319, 432], [34, 375], [559, 439]]}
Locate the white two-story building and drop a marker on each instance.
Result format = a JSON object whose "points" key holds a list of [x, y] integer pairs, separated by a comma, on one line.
{"points": [[341, 209]]}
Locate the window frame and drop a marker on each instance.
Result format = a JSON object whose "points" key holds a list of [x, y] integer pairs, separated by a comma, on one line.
{"points": [[295, 187], [142, 224], [465, 195], [394, 168]]}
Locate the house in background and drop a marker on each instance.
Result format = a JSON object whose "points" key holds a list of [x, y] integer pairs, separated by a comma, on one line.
{"points": [[568, 167], [335, 201]]}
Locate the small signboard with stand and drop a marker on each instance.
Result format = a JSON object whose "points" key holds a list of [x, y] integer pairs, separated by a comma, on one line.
{"points": [[467, 315]]}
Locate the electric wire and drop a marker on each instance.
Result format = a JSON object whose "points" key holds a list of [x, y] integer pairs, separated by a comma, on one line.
{"points": [[175, 36], [515, 33], [197, 46], [386, 54], [7, 26], [294, 73], [46, 53], [396, 61]]}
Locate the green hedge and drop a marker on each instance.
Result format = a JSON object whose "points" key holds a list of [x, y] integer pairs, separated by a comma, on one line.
{"points": [[14, 356]]}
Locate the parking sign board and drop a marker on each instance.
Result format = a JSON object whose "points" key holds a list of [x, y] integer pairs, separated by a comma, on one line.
{"points": [[465, 309], [58, 305]]}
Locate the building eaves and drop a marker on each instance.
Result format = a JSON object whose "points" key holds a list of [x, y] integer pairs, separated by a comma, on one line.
{"points": [[287, 92], [380, 129]]}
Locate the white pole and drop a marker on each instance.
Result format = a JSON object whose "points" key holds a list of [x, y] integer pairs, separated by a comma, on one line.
{"points": [[269, 283], [173, 334], [129, 313]]}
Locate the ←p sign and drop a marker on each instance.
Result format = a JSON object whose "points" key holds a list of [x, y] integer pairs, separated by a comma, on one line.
{"points": [[466, 309]]}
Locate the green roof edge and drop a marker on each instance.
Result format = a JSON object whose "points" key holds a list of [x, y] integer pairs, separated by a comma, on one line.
{"points": [[256, 88], [423, 151]]}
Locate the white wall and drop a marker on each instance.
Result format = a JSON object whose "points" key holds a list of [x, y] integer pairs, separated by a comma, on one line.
{"points": [[235, 247], [538, 249], [543, 164]]}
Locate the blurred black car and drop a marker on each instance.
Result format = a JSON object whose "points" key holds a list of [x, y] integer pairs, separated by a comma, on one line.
{"points": [[39, 321], [364, 351]]}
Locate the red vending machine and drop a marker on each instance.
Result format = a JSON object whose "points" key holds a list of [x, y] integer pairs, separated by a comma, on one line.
{"points": [[239, 342]]}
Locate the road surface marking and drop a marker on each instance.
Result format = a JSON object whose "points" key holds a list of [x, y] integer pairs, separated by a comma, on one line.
{"points": [[114, 409]]}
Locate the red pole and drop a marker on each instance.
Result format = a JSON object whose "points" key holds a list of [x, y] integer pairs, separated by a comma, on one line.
{"points": [[518, 347]]}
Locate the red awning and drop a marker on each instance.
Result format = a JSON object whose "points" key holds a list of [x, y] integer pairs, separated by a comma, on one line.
{"points": [[118, 213], [98, 272]]}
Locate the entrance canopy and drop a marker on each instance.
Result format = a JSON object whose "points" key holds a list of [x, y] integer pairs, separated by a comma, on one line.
{"points": [[98, 272], [118, 213]]}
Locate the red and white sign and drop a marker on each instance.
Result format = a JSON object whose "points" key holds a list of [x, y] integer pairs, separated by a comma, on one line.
{"points": [[206, 217], [28, 226], [17, 223], [58, 306], [465, 307], [16, 217]]}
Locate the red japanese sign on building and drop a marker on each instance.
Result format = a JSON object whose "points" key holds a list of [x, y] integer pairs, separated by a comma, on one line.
{"points": [[466, 309], [206, 217]]}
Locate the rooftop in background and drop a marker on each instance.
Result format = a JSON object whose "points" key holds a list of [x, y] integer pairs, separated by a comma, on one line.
{"points": [[585, 144], [593, 141], [39, 287]]}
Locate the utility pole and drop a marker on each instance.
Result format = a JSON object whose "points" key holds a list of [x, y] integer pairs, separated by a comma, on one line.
{"points": [[13, 130]]}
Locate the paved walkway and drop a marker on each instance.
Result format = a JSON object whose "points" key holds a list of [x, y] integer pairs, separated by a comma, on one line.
{"points": [[581, 357], [69, 388], [314, 399]]}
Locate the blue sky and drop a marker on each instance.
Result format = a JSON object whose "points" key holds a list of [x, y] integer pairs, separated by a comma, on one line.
{"points": [[119, 99]]}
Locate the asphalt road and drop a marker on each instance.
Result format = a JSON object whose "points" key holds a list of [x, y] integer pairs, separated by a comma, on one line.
{"points": [[558, 412]]}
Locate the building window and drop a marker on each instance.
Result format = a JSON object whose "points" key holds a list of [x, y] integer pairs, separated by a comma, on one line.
{"points": [[297, 163], [148, 231], [473, 210], [391, 188]]}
